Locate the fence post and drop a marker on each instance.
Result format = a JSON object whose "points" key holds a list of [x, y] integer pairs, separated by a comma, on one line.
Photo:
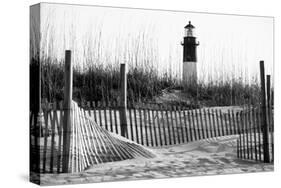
{"points": [[270, 115], [264, 115], [38, 116], [268, 84], [123, 102], [67, 111]]}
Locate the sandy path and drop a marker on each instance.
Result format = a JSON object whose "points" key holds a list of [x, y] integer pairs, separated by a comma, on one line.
{"points": [[206, 157]]}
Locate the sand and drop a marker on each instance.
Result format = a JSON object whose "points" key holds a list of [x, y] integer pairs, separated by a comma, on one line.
{"points": [[205, 157]]}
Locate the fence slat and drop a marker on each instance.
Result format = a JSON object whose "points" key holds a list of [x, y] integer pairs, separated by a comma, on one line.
{"points": [[105, 116], [182, 125], [226, 120], [159, 127], [210, 123], [218, 122], [53, 122], [176, 123], [115, 117], [136, 125], [260, 133], [247, 134], [202, 124], [251, 132], [186, 124], [197, 124], [59, 162], [254, 132], [168, 126], [154, 128], [222, 124], [230, 124], [165, 126], [110, 116], [240, 135], [193, 125], [150, 127], [141, 127], [234, 122], [189, 125], [238, 149], [46, 120], [214, 123], [146, 126], [172, 124], [206, 123], [131, 123], [100, 116]]}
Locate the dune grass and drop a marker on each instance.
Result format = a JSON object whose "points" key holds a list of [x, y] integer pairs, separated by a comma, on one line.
{"points": [[99, 83]]}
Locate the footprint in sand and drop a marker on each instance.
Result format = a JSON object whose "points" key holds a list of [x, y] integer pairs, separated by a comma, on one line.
{"points": [[225, 160], [205, 160]]}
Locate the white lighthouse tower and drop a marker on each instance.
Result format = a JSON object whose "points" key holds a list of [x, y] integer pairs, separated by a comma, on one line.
{"points": [[189, 72]]}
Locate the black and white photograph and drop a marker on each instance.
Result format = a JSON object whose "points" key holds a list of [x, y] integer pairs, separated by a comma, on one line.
{"points": [[121, 94]]}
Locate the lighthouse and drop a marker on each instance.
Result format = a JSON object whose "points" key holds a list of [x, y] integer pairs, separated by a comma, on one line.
{"points": [[189, 71]]}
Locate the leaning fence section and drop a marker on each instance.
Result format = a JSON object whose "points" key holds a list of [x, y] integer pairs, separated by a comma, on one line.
{"points": [[90, 143]]}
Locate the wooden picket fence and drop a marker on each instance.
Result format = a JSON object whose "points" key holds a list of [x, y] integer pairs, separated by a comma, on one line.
{"points": [[158, 125], [47, 140], [250, 144]]}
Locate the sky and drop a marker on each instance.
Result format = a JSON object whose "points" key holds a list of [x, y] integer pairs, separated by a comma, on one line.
{"points": [[230, 45]]}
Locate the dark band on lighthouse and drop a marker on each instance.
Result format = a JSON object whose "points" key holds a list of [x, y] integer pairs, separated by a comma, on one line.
{"points": [[189, 49]]}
